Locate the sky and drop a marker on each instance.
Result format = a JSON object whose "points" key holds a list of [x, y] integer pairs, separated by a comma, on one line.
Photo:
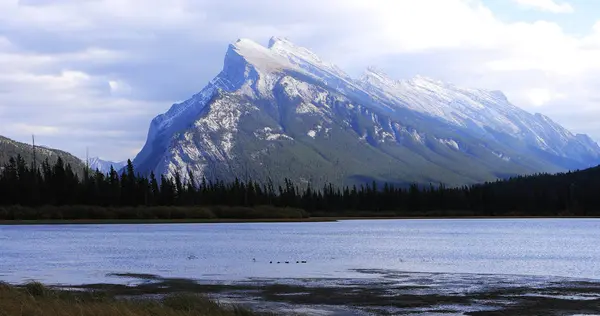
{"points": [[93, 73]]}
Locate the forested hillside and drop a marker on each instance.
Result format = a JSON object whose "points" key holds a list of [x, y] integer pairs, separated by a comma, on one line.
{"points": [[573, 193], [10, 148]]}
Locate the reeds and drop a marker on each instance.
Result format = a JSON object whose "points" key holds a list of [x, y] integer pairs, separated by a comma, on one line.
{"points": [[35, 299]]}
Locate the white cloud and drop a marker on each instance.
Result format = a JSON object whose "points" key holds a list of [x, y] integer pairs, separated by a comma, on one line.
{"points": [[542, 96], [34, 129], [546, 5], [119, 87], [111, 65]]}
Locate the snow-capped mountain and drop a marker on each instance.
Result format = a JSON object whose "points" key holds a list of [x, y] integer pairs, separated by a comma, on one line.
{"points": [[104, 165], [280, 111]]}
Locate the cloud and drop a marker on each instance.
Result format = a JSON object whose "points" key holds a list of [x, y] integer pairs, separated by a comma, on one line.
{"points": [[541, 96], [31, 129], [546, 5], [98, 71]]}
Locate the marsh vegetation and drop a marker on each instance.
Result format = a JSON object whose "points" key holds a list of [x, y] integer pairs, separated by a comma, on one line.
{"points": [[35, 299]]}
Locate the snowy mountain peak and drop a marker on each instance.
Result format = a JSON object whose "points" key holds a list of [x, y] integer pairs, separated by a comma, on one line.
{"points": [[275, 41], [499, 95], [304, 58], [281, 54], [424, 81], [374, 70], [376, 76], [245, 51], [103, 166], [271, 103], [286, 48]]}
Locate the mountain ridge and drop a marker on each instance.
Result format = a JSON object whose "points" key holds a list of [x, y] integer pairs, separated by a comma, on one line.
{"points": [[10, 148], [104, 166], [284, 99]]}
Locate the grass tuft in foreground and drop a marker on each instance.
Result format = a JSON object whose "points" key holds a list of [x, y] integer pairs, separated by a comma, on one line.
{"points": [[35, 299]]}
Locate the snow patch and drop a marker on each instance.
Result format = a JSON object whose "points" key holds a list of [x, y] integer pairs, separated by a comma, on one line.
{"points": [[305, 108], [450, 143], [260, 56], [222, 118], [386, 135], [417, 137], [293, 87], [501, 156], [267, 134]]}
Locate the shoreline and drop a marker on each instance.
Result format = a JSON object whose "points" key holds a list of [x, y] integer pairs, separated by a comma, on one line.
{"points": [[34, 298], [264, 220], [388, 292]]}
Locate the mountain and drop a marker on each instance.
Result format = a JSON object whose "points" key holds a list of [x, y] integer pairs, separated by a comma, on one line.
{"points": [[280, 111], [10, 148], [104, 165]]}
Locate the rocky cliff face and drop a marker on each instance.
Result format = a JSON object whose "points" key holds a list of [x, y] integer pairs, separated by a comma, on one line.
{"points": [[280, 111]]}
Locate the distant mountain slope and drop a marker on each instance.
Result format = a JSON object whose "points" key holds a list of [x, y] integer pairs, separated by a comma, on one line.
{"points": [[10, 148], [104, 165], [280, 111]]}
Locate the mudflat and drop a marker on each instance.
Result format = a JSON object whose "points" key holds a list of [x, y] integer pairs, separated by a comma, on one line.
{"points": [[380, 292]]}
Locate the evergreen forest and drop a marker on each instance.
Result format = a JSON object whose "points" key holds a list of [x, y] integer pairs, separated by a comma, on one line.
{"points": [[57, 185]]}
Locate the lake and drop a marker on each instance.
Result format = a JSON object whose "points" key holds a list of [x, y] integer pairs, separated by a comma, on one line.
{"points": [[80, 254]]}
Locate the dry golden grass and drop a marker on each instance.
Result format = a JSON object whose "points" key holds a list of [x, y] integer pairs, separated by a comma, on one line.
{"points": [[34, 299]]}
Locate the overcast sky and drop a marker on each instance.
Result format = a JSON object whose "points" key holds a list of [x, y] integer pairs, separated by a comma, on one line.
{"points": [[93, 73]]}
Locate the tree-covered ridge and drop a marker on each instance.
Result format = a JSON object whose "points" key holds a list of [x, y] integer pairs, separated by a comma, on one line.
{"points": [[572, 193], [11, 148]]}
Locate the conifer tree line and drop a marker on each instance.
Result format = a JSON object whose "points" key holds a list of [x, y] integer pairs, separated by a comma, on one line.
{"points": [[572, 193]]}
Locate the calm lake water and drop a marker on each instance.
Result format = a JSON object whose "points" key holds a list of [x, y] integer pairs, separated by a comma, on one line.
{"points": [[79, 254]]}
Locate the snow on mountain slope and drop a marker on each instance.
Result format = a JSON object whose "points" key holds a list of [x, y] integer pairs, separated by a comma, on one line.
{"points": [[280, 110], [485, 113], [104, 165], [306, 60]]}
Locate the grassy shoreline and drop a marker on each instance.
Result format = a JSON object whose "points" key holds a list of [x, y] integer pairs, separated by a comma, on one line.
{"points": [[379, 297], [36, 299]]}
